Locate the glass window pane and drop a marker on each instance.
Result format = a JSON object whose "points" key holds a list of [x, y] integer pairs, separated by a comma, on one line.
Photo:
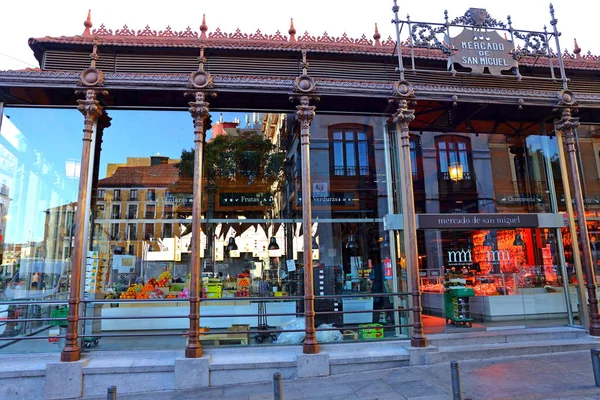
{"points": [[349, 135], [338, 158], [350, 159], [443, 161], [464, 161], [337, 135]]}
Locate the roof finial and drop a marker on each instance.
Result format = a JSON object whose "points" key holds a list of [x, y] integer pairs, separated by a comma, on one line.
{"points": [[577, 49], [377, 36], [292, 31], [88, 24], [203, 27]]}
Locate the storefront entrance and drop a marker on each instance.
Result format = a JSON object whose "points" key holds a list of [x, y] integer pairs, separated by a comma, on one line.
{"points": [[484, 279]]}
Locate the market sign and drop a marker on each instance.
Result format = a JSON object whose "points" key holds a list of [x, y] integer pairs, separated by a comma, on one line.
{"points": [[245, 199], [333, 199], [476, 221], [477, 49], [594, 199], [520, 199]]}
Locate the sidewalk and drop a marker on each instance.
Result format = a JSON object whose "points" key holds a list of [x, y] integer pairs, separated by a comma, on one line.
{"points": [[549, 377]]}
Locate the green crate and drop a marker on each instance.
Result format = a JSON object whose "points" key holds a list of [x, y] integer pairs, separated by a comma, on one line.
{"points": [[59, 313], [371, 331]]}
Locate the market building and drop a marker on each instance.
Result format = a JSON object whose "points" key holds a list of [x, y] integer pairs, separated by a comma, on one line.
{"points": [[323, 189]]}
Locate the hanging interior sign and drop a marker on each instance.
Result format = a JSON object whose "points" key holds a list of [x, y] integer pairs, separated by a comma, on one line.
{"points": [[479, 49], [387, 268]]}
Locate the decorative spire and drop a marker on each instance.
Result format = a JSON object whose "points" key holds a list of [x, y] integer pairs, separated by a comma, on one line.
{"points": [[292, 31], [377, 36], [577, 49], [203, 27], [88, 24]]}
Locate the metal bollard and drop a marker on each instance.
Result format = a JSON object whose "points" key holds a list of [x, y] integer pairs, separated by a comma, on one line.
{"points": [[596, 365], [111, 393], [455, 373], [277, 386]]}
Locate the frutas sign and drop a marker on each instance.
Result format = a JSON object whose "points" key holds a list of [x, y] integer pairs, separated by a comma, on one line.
{"points": [[478, 50]]}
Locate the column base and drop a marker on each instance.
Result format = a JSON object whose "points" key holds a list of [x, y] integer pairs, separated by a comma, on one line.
{"points": [[594, 331], [418, 342], [193, 352], [70, 355], [310, 348]]}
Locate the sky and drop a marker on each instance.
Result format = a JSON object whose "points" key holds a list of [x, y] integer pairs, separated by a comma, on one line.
{"points": [[20, 20]]}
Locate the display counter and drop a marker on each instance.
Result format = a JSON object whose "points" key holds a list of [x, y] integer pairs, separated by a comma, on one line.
{"points": [[182, 309], [358, 304], [532, 303]]}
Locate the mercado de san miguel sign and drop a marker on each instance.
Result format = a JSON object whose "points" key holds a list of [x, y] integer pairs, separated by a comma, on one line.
{"points": [[480, 48]]}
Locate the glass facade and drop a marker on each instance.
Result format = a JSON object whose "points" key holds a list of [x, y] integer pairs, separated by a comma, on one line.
{"points": [[486, 194], [38, 201], [140, 230]]}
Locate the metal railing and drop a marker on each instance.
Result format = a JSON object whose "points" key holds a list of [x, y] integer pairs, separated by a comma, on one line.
{"points": [[260, 318]]}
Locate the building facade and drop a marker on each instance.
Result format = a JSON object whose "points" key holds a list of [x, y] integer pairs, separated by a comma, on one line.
{"points": [[375, 205]]}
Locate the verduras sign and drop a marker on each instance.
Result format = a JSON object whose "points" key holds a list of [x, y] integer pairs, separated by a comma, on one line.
{"points": [[478, 50]]}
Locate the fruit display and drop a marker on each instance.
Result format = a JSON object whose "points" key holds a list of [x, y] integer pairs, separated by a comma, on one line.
{"points": [[243, 292]]}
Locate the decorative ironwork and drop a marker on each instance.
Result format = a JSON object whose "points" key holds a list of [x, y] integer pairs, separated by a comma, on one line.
{"points": [[425, 35], [479, 18], [92, 76], [147, 32], [304, 83], [102, 31], [167, 32], [125, 31], [188, 32], [534, 44]]}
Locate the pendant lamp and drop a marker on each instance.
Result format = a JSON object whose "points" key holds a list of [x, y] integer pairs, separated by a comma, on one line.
{"points": [[273, 244], [232, 245], [351, 243], [488, 241], [518, 240]]}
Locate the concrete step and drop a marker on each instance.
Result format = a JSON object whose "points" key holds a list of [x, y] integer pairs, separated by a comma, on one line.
{"points": [[506, 336], [495, 350], [359, 357]]}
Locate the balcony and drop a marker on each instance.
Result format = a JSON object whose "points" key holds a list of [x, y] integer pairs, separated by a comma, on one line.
{"points": [[168, 215], [115, 237], [149, 214], [131, 215], [115, 215]]}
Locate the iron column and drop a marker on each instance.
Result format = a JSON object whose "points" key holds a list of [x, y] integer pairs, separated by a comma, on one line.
{"points": [[200, 112], [403, 117], [566, 123]]}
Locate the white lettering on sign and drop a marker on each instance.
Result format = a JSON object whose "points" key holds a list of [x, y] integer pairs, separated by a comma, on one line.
{"points": [[483, 46]]}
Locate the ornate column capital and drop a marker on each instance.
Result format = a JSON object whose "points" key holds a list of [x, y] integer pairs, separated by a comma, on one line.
{"points": [[199, 108], [565, 122], [304, 111], [90, 107], [404, 114], [404, 98]]}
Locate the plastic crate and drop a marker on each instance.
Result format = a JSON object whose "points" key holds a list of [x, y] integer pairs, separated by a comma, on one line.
{"points": [[371, 331], [59, 313]]}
